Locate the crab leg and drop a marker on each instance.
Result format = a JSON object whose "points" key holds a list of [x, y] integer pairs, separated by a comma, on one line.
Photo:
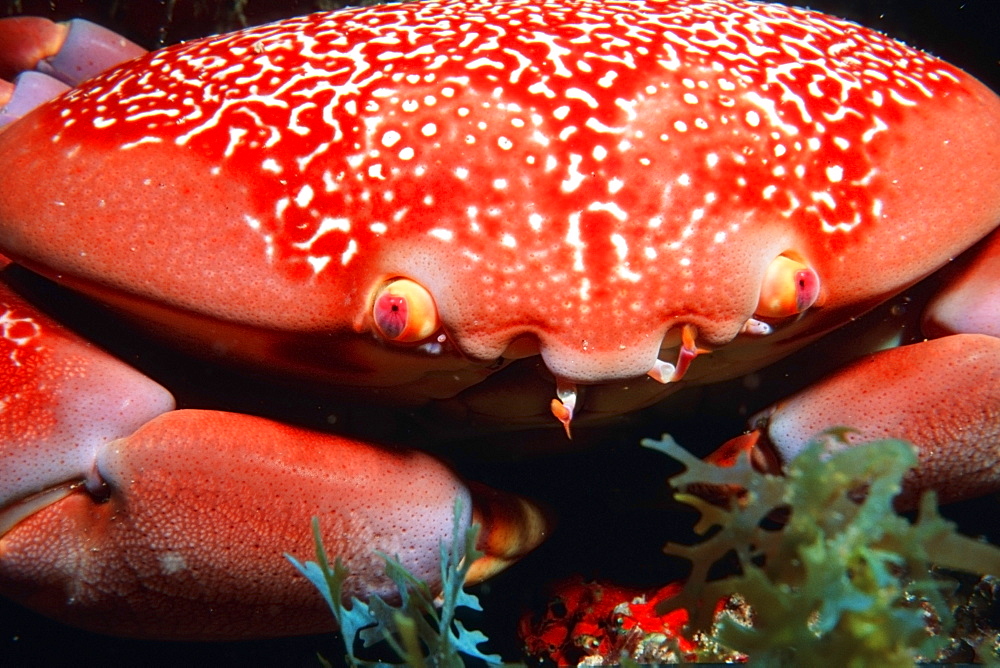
{"points": [[121, 515], [942, 395], [970, 303], [50, 57]]}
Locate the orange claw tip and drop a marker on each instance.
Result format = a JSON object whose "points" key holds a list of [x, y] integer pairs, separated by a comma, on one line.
{"points": [[762, 454], [727, 454], [511, 525], [762, 458]]}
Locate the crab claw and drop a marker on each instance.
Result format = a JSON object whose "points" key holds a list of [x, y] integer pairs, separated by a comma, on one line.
{"points": [[970, 303], [121, 515], [71, 52], [762, 457], [27, 41], [30, 90], [941, 395], [51, 57]]}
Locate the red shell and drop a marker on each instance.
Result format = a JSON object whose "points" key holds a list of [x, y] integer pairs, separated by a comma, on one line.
{"points": [[592, 174]]}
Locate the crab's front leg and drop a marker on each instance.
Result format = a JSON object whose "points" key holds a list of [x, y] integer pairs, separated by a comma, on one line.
{"points": [[122, 515], [942, 395], [41, 59]]}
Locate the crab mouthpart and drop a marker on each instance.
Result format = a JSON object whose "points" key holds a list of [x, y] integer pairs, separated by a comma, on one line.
{"points": [[666, 372], [755, 327], [564, 404]]}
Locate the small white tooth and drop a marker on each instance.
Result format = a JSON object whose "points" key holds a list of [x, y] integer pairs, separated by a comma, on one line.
{"points": [[662, 372], [755, 327], [566, 393]]}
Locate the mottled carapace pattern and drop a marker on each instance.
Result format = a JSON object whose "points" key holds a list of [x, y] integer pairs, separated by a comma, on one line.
{"points": [[534, 163], [383, 92]]}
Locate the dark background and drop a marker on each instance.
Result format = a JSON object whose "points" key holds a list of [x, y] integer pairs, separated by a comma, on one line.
{"points": [[965, 32]]}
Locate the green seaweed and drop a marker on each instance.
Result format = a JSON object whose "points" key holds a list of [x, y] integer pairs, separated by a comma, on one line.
{"points": [[419, 631], [844, 580]]}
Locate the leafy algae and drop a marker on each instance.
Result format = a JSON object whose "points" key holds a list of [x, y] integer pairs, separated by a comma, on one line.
{"points": [[827, 573], [842, 579], [422, 630]]}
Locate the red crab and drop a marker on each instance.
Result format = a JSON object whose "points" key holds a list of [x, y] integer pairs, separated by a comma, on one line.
{"points": [[531, 211]]}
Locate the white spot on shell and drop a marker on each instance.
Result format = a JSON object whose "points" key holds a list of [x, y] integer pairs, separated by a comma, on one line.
{"points": [[172, 562], [305, 196], [352, 248], [390, 138]]}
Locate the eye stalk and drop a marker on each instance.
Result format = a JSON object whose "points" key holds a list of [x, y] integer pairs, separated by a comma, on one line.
{"points": [[790, 287], [404, 311]]}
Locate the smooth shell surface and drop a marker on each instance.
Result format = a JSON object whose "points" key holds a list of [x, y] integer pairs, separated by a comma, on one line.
{"points": [[533, 164]]}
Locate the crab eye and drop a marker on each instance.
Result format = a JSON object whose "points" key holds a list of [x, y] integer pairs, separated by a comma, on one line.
{"points": [[404, 311], [789, 287]]}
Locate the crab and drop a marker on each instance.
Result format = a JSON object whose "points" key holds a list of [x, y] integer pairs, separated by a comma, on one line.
{"points": [[511, 213]]}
